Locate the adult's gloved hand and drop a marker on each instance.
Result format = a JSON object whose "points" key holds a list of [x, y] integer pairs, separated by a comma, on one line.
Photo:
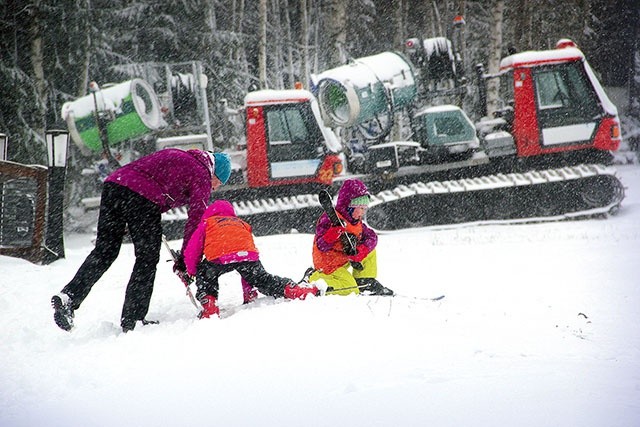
{"points": [[178, 265]]}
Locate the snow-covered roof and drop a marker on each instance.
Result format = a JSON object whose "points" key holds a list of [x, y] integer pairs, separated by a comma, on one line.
{"points": [[540, 57], [438, 109], [269, 96]]}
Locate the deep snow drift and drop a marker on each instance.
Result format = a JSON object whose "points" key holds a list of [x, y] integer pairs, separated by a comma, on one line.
{"points": [[540, 327]]}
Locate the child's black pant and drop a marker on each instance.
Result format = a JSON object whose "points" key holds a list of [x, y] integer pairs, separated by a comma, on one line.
{"points": [[252, 271]]}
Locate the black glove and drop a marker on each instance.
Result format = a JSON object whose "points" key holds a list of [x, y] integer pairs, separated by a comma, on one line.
{"points": [[357, 265], [349, 244], [179, 267]]}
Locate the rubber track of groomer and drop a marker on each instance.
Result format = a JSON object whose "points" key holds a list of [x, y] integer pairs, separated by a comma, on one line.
{"points": [[546, 195]]}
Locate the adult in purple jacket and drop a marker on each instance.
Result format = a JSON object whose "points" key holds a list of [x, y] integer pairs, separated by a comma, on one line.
{"points": [[133, 199]]}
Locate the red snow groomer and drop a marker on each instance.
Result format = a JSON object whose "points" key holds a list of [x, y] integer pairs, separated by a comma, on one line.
{"points": [[559, 105], [541, 156]]}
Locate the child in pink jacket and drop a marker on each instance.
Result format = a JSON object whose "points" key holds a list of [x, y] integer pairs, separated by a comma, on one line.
{"points": [[221, 243]]}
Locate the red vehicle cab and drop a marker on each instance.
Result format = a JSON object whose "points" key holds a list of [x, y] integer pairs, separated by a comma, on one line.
{"points": [[285, 143], [559, 104]]}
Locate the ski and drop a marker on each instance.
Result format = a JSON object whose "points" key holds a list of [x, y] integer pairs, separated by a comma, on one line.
{"points": [[184, 278], [432, 299], [264, 300], [438, 298], [348, 240]]}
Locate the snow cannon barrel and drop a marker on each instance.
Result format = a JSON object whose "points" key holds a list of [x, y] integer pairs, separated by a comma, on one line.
{"points": [[132, 110], [357, 92]]}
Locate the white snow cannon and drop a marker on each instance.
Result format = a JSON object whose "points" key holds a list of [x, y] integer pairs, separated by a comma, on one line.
{"points": [[363, 89], [132, 108]]}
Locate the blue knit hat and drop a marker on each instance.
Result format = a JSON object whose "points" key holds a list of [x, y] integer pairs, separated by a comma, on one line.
{"points": [[222, 167]]}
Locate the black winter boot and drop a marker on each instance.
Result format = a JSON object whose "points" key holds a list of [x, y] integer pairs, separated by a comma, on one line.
{"points": [[130, 324], [370, 286], [62, 311]]}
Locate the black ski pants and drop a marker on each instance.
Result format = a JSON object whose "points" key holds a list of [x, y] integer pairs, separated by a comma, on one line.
{"points": [[252, 271], [122, 209]]}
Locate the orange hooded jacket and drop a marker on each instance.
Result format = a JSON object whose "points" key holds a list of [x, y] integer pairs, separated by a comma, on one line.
{"points": [[220, 236]]}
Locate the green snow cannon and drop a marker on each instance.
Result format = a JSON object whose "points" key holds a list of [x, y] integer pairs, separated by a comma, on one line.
{"points": [[357, 92], [132, 108]]}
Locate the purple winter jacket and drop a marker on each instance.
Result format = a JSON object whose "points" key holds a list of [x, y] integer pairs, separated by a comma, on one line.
{"points": [[171, 178], [351, 188]]}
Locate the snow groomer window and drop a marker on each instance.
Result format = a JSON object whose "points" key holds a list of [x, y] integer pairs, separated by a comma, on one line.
{"points": [[565, 96]]}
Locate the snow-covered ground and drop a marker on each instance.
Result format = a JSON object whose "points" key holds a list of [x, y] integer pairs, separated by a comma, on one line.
{"points": [[540, 327]]}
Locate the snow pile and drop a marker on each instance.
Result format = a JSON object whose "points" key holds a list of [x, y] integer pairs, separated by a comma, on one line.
{"points": [[540, 326]]}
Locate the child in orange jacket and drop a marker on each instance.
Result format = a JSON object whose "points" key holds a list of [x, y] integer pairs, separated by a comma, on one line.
{"points": [[344, 273], [227, 244]]}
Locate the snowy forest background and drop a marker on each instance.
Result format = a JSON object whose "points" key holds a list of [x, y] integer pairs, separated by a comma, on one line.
{"points": [[52, 49]]}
